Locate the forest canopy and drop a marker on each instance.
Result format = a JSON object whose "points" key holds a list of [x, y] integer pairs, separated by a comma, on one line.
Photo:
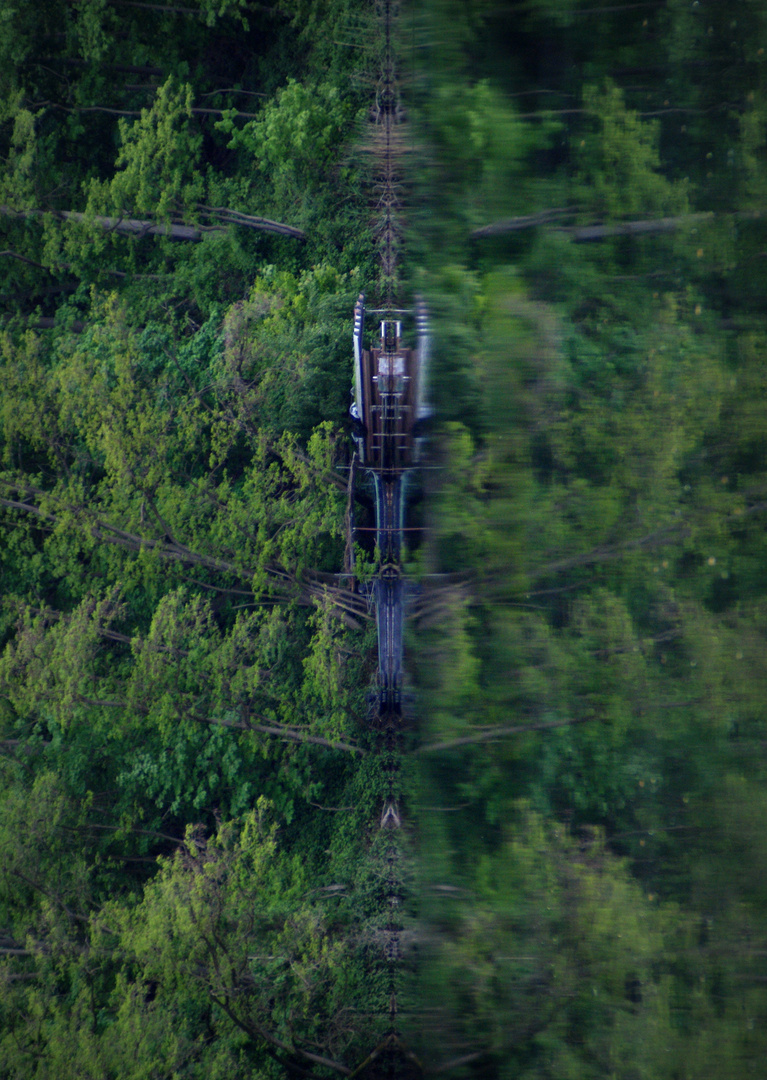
{"points": [[202, 842]]}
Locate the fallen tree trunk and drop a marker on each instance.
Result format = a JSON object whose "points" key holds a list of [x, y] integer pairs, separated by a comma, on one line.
{"points": [[141, 227], [585, 233], [520, 223], [600, 231]]}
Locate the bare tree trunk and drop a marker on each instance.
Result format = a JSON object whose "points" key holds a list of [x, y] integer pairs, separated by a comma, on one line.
{"points": [[524, 221], [140, 227], [132, 112], [285, 733], [584, 233], [492, 734], [581, 233]]}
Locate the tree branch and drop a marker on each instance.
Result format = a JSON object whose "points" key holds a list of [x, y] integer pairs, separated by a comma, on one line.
{"points": [[256, 1030], [524, 221], [21, 258], [346, 605], [499, 733], [602, 231], [291, 734], [667, 535], [143, 227], [583, 233], [348, 518]]}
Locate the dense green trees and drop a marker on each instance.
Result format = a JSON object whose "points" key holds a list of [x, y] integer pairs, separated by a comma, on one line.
{"points": [[189, 881], [194, 879], [601, 499], [235, 127]]}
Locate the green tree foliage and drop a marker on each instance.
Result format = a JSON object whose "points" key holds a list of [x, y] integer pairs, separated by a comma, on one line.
{"points": [[560, 964], [229, 962], [148, 179], [598, 510], [177, 644], [619, 168], [194, 876], [84, 148]]}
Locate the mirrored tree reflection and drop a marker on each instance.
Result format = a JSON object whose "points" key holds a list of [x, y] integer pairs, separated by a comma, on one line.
{"points": [[590, 773]]}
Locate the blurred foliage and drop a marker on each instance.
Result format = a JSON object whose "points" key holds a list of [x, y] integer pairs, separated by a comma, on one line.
{"points": [[592, 676]]}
